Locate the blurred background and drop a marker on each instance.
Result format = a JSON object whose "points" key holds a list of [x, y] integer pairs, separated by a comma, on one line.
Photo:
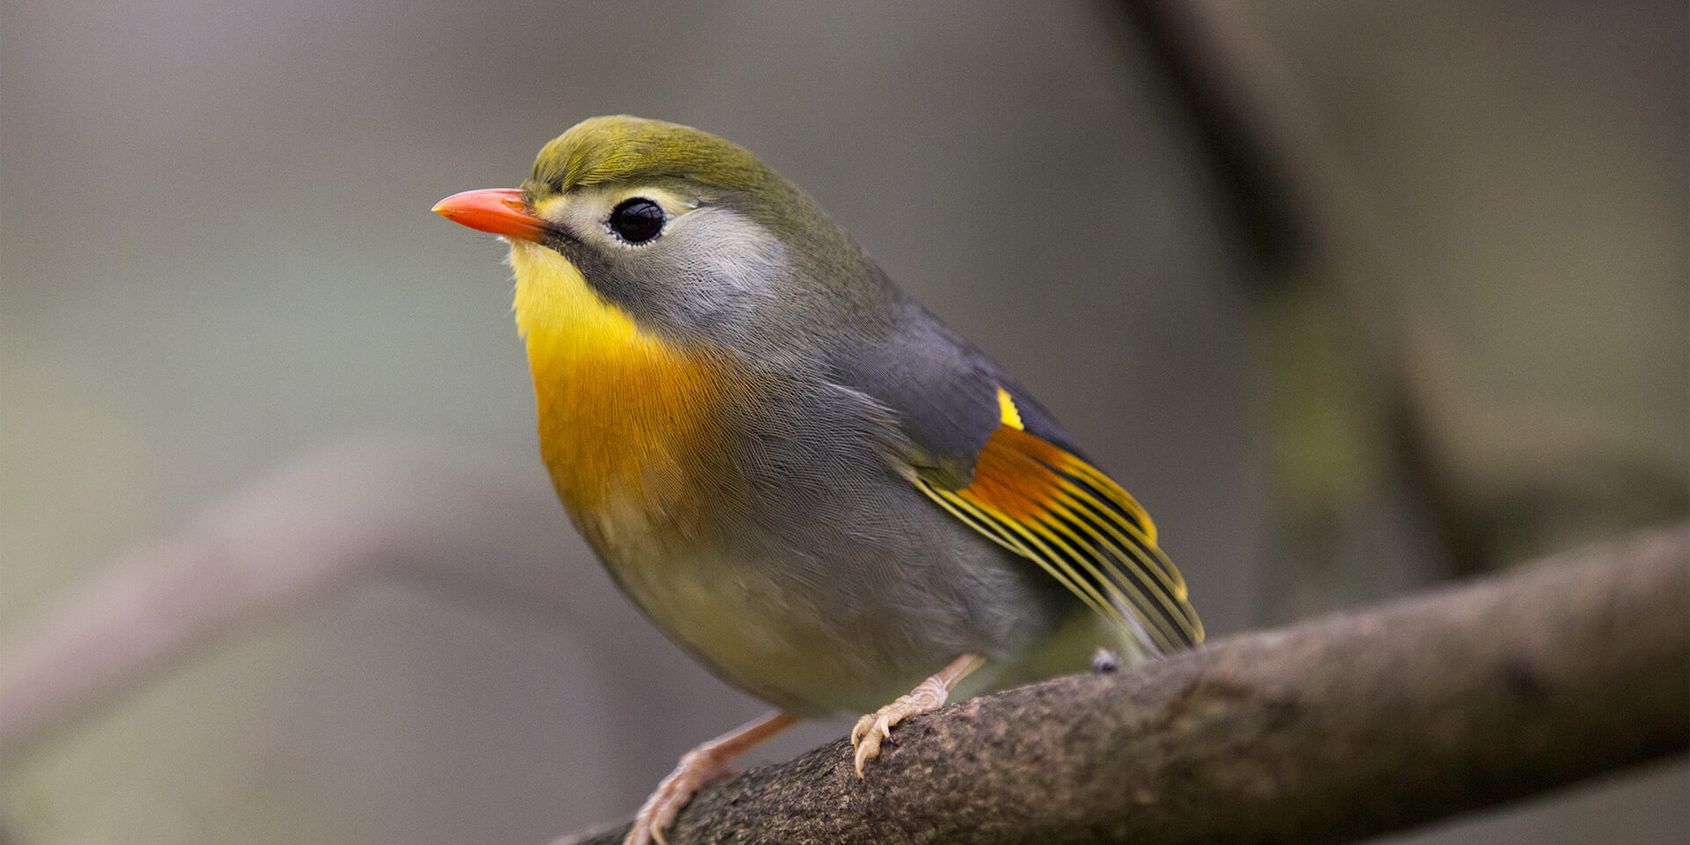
{"points": [[1355, 297]]}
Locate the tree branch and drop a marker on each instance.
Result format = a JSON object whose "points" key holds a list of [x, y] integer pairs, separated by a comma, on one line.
{"points": [[1324, 732], [471, 526]]}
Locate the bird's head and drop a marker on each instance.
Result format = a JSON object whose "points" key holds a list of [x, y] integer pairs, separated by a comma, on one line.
{"points": [[681, 233]]}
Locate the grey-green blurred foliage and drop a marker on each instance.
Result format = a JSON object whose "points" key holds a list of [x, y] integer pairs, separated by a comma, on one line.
{"points": [[1495, 332]]}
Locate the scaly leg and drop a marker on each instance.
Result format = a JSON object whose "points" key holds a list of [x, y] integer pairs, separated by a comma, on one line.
{"points": [[928, 695], [697, 768]]}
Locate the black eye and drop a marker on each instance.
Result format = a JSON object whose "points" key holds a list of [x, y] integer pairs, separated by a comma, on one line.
{"points": [[637, 220]]}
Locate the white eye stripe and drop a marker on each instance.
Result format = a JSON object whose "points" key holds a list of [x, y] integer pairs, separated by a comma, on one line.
{"points": [[673, 204], [588, 211], [598, 202]]}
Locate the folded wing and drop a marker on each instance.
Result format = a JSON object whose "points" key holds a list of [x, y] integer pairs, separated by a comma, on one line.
{"points": [[1053, 508]]}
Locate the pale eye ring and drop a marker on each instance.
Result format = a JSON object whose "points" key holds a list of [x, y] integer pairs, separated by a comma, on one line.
{"points": [[636, 220]]}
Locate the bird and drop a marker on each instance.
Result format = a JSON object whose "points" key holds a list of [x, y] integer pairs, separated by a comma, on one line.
{"points": [[796, 471]]}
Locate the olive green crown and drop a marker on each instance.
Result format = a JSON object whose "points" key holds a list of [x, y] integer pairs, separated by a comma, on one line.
{"points": [[621, 148]]}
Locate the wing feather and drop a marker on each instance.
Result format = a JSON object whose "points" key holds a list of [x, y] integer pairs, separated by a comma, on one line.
{"points": [[1048, 505]]}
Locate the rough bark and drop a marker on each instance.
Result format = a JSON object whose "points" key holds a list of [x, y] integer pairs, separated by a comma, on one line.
{"points": [[1327, 731]]}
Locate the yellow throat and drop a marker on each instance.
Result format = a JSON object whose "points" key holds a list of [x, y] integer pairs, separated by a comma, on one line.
{"points": [[628, 421]]}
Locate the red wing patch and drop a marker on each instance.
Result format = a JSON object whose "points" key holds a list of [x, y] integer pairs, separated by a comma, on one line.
{"points": [[1051, 507]]}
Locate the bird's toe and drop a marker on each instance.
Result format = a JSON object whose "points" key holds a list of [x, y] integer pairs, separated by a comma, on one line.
{"points": [[658, 813]]}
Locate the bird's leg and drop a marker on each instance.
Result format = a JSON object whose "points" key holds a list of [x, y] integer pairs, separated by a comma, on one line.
{"points": [[697, 768], [928, 695]]}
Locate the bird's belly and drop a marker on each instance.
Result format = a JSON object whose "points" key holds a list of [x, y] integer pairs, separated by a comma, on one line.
{"points": [[781, 636], [760, 628], [639, 451], [755, 632]]}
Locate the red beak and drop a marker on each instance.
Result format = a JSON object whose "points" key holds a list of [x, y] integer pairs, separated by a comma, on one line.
{"points": [[501, 211]]}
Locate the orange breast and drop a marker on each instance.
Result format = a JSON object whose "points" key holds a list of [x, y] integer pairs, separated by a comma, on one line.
{"points": [[631, 428]]}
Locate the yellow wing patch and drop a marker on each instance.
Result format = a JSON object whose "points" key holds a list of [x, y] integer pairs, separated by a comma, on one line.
{"points": [[1008, 414], [1049, 506]]}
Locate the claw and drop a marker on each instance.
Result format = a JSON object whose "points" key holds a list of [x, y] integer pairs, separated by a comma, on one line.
{"points": [[875, 728], [652, 822], [698, 767]]}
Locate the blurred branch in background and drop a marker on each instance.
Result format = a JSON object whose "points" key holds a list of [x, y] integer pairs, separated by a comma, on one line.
{"points": [[1469, 222], [1241, 132], [383, 508], [1329, 731]]}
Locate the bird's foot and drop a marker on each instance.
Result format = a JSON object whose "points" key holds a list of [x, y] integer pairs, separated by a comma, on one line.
{"points": [[876, 727], [697, 769], [931, 694]]}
